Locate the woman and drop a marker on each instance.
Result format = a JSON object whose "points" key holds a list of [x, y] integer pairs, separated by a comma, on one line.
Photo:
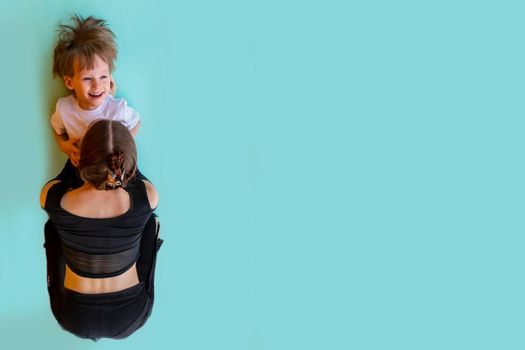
{"points": [[101, 238]]}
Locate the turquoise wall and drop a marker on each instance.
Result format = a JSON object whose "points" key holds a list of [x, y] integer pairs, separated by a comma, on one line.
{"points": [[333, 174]]}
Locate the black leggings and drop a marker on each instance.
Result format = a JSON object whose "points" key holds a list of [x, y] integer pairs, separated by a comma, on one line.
{"points": [[109, 315]]}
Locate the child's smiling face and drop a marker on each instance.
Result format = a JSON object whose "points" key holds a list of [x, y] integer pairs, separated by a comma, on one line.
{"points": [[91, 85]]}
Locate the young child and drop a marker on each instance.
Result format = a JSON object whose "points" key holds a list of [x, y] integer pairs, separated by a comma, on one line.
{"points": [[84, 57]]}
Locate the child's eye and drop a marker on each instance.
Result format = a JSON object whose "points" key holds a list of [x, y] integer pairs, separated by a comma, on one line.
{"points": [[86, 79], [104, 77]]}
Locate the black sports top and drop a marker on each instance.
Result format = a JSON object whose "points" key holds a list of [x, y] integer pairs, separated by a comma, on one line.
{"points": [[105, 247]]}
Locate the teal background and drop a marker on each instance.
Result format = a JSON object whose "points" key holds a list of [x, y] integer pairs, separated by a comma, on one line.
{"points": [[332, 174]]}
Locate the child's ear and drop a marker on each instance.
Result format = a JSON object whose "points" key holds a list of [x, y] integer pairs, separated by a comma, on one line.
{"points": [[68, 81]]}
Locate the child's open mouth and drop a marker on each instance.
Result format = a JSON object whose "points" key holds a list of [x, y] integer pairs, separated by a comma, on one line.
{"points": [[96, 95]]}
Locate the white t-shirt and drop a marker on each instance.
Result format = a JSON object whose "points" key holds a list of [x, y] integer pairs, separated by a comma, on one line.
{"points": [[71, 119]]}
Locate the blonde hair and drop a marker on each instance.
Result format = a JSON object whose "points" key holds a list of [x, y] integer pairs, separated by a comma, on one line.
{"points": [[83, 40]]}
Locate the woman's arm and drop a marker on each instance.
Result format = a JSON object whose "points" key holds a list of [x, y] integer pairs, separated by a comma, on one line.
{"points": [[43, 194]]}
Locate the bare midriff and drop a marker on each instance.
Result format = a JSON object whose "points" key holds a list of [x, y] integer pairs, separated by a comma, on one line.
{"points": [[86, 285]]}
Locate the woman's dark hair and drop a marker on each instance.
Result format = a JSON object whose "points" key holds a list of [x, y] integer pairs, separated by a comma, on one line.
{"points": [[108, 155]]}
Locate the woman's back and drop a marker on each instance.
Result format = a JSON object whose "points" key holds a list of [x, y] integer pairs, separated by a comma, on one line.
{"points": [[91, 203], [109, 214]]}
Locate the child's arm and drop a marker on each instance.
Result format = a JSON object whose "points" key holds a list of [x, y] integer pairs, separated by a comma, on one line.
{"points": [[135, 129], [68, 147], [128, 116]]}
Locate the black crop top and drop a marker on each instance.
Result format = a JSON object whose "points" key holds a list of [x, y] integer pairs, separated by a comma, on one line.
{"points": [[98, 248]]}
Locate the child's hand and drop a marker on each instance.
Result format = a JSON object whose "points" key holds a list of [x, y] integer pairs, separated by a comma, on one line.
{"points": [[75, 158], [69, 148]]}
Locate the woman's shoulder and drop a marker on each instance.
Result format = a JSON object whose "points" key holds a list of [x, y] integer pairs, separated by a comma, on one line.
{"points": [[45, 190], [153, 195]]}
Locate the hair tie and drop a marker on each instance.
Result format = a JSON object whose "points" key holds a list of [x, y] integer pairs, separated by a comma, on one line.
{"points": [[114, 162]]}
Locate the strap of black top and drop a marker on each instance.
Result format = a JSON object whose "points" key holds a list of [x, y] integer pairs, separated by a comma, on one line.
{"points": [[137, 190]]}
